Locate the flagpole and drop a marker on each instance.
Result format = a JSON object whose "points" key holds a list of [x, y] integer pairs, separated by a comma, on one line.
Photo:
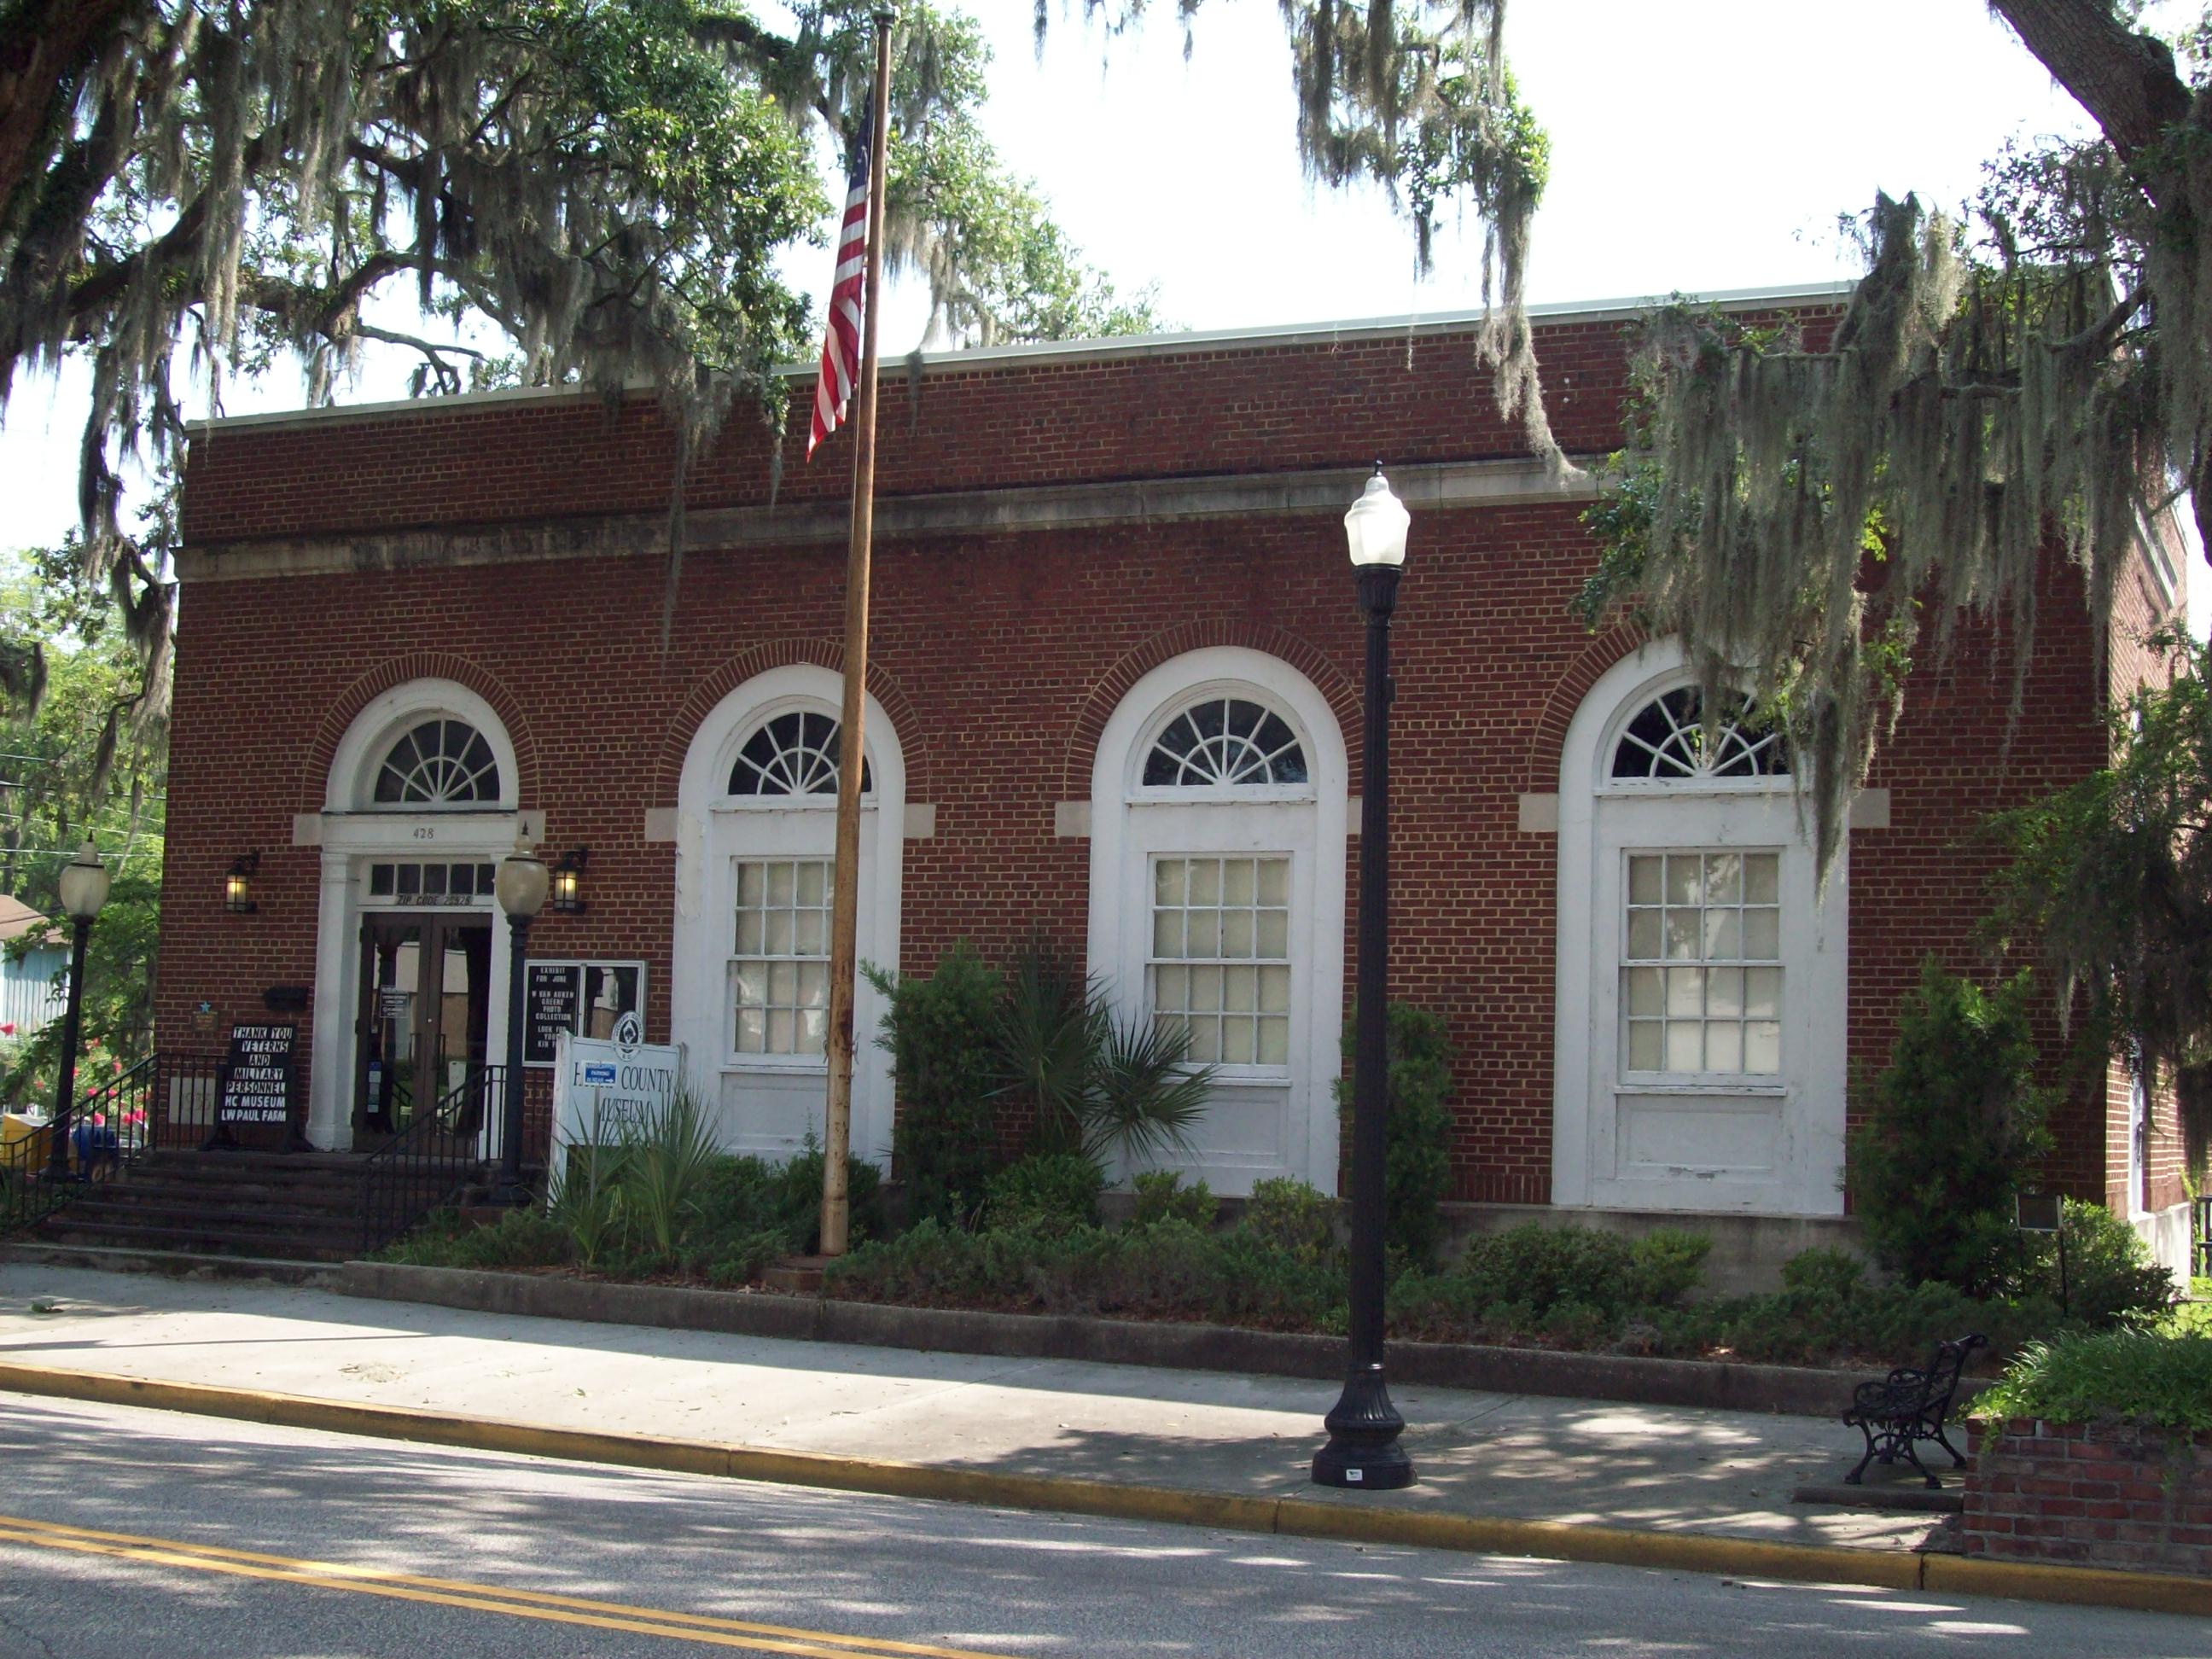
{"points": [[844, 905]]}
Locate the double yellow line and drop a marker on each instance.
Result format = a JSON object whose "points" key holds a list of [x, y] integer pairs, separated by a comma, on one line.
{"points": [[460, 1593]]}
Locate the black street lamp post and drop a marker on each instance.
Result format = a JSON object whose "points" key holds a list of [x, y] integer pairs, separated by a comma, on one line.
{"points": [[521, 887], [84, 881], [1363, 1448]]}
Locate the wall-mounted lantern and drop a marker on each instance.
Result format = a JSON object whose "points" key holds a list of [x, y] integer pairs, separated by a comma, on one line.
{"points": [[568, 881], [238, 885]]}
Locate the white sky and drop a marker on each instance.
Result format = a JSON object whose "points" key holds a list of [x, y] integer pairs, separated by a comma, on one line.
{"points": [[1695, 147]]}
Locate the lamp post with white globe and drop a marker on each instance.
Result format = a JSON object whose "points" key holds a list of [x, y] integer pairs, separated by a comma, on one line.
{"points": [[84, 882], [1364, 1427], [521, 887]]}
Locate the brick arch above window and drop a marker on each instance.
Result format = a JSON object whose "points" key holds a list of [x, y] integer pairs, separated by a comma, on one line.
{"points": [[346, 708], [1107, 692], [1539, 766], [684, 725]]}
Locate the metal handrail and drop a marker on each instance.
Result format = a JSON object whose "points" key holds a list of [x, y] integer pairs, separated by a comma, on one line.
{"points": [[110, 1129], [424, 1167]]}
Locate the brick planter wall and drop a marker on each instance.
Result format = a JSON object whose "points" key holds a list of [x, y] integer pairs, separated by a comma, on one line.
{"points": [[2096, 1495]]}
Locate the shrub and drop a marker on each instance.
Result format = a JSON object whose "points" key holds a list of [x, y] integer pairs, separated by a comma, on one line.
{"points": [[1543, 1266], [2164, 1381], [941, 1033], [668, 1159], [1666, 1266], [1957, 1127], [1047, 1193], [1824, 1274], [520, 1238], [2109, 1279], [1161, 1196], [1417, 1159], [1293, 1218]]}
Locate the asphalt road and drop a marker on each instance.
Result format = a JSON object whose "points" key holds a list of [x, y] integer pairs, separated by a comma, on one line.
{"points": [[135, 1533]]}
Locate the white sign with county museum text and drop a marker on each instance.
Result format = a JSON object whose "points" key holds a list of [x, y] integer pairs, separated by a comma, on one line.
{"points": [[605, 1088]]}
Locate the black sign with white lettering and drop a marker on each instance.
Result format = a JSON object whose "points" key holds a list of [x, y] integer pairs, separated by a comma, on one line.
{"points": [[552, 994], [257, 1076]]}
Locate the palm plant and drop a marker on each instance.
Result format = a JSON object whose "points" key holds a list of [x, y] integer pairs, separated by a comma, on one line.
{"points": [[1048, 1031], [588, 1201], [1103, 1089], [1144, 1099], [668, 1167]]}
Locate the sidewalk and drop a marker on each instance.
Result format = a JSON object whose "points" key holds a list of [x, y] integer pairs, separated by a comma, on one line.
{"points": [[1600, 1464]]}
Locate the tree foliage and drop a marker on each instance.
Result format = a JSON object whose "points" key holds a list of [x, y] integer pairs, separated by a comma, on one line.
{"points": [[2034, 370], [1416, 96], [605, 183], [2112, 879]]}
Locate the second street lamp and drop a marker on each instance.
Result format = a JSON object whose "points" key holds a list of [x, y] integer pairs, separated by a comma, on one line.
{"points": [[83, 883], [521, 887], [1364, 1427]]}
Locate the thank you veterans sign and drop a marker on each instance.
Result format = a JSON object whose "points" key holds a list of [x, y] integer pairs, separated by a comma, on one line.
{"points": [[257, 1076], [605, 1088]]}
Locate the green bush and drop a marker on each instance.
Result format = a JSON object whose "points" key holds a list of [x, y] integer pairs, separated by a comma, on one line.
{"points": [[1048, 1193], [1542, 1267], [1167, 1270], [2138, 1377], [1824, 1274], [1417, 1159], [2109, 1279], [520, 1238], [1293, 1219], [1161, 1196], [1956, 1129], [941, 1032]]}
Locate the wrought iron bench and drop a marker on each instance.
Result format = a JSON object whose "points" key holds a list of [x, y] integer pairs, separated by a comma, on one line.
{"points": [[1908, 1407]]}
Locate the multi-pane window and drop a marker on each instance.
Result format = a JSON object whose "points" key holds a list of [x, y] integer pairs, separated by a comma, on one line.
{"points": [[437, 883], [441, 763], [1667, 741], [1221, 741], [1220, 962], [779, 971], [794, 754], [1701, 963]]}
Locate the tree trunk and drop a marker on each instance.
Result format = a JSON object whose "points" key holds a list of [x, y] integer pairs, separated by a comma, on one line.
{"points": [[2126, 81], [46, 47]]}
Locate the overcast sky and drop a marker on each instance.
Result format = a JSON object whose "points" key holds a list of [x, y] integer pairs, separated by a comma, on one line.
{"points": [[1699, 147]]}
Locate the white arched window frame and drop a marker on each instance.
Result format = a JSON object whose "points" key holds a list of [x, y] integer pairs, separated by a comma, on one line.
{"points": [[1680, 890], [1265, 1119], [357, 832], [745, 862]]}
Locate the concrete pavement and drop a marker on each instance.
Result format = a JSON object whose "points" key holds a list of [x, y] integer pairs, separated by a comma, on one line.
{"points": [[1585, 1463]]}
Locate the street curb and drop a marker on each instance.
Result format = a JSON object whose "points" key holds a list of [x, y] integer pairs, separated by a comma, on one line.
{"points": [[1716, 1385], [1349, 1522]]}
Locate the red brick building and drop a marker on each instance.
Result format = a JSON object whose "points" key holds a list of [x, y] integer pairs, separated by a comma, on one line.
{"points": [[1115, 689]]}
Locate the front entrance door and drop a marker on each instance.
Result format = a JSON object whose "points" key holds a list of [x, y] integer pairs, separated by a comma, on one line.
{"points": [[425, 998]]}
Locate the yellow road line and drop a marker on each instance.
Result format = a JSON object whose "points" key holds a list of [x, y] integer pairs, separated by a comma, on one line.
{"points": [[462, 1593]]}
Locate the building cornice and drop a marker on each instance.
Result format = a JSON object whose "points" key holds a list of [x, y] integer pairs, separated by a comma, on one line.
{"points": [[963, 512], [1123, 347]]}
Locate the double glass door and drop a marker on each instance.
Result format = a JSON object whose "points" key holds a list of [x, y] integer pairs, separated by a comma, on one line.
{"points": [[425, 998]]}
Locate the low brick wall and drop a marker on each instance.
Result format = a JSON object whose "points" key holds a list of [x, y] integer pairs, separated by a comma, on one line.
{"points": [[2101, 1495]]}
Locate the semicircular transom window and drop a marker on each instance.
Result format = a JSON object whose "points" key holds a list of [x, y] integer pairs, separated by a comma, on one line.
{"points": [[439, 763], [1667, 742], [794, 753], [1225, 741]]}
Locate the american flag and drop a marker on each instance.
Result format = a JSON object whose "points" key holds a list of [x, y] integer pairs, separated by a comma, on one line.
{"points": [[840, 348]]}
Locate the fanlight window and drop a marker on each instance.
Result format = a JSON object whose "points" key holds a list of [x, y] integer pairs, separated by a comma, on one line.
{"points": [[794, 753], [1225, 741], [441, 763], [1667, 742]]}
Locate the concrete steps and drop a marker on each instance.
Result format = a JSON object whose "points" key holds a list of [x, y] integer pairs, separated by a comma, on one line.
{"points": [[303, 1207]]}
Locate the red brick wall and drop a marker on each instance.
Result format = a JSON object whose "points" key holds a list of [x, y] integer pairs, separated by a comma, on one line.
{"points": [[998, 656], [2094, 1495]]}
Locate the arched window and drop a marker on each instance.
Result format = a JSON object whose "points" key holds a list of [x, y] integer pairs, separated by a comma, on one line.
{"points": [[1222, 741], [439, 763], [1667, 742], [794, 753]]}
